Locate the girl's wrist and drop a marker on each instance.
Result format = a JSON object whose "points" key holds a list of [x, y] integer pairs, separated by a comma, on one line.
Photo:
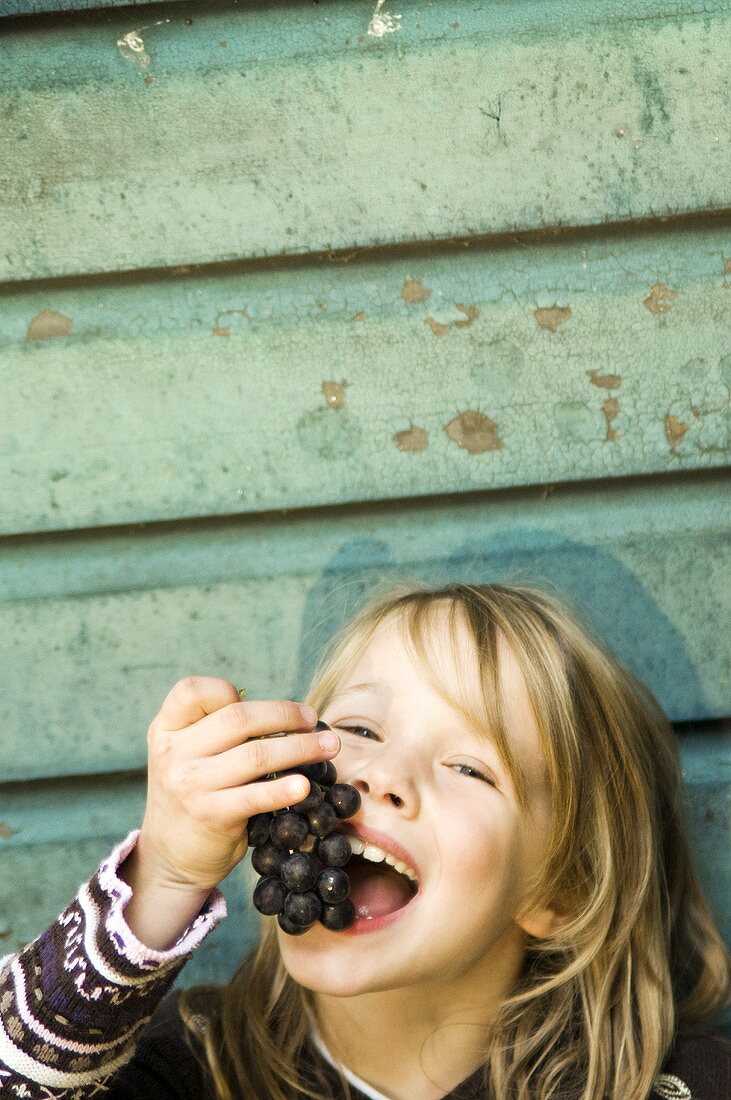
{"points": [[160, 910]]}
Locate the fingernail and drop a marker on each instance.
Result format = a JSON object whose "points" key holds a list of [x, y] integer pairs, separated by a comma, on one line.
{"points": [[308, 713], [329, 741]]}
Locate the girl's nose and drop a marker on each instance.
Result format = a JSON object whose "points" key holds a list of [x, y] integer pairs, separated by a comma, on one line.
{"points": [[379, 782]]}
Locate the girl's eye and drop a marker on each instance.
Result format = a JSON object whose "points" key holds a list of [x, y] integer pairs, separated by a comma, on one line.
{"points": [[467, 769], [356, 729]]}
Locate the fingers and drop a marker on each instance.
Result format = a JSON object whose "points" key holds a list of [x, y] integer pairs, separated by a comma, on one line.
{"points": [[248, 762], [192, 698], [232, 725], [235, 804]]}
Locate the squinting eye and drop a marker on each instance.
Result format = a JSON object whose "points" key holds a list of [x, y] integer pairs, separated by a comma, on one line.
{"points": [[353, 729], [468, 770]]}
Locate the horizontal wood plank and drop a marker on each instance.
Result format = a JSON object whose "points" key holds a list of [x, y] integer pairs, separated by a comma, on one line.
{"points": [[146, 398], [95, 629], [54, 835], [209, 133]]}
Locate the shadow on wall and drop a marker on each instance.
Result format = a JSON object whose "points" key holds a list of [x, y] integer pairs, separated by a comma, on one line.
{"points": [[606, 594]]}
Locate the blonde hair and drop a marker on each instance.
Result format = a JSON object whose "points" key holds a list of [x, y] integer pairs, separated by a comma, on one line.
{"points": [[599, 1002]]}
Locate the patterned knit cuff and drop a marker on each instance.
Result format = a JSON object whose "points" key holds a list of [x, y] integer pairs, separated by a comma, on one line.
{"points": [[121, 935]]}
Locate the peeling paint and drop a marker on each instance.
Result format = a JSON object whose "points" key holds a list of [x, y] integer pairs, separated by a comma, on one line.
{"points": [[605, 381], [221, 332], [382, 22], [48, 324], [553, 317], [132, 46], [5, 831], [610, 408], [358, 316], [660, 298], [334, 394], [414, 439], [675, 431], [471, 313], [413, 292], [727, 267], [475, 432], [436, 326]]}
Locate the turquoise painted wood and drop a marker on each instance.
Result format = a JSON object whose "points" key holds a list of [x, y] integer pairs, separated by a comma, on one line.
{"points": [[214, 133], [53, 836], [95, 629], [38, 7], [245, 390]]}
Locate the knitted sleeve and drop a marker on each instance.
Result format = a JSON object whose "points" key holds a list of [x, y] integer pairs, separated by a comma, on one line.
{"points": [[74, 1002]]}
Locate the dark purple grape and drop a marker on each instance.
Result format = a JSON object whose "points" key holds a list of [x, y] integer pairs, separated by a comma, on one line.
{"points": [[258, 829], [314, 772], [322, 820], [338, 917], [331, 775], [334, 850], [267, 859], [269, 896], [288, 830], [344, 799], [311, 802], [333, 885], [291, 929], [302, 909], [299, 872]]}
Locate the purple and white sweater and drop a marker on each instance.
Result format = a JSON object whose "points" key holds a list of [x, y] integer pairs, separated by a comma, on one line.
{"points": [[74, 1001], [84, 1013]]}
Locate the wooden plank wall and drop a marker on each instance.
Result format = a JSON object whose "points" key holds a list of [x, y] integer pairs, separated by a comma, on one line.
{"points": [[295, 300]]}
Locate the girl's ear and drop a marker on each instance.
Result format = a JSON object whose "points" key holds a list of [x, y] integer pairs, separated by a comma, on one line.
{"points": [[544, 922]]}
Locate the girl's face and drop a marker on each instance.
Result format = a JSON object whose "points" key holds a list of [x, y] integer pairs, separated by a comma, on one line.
{"points": [[440, 792]]}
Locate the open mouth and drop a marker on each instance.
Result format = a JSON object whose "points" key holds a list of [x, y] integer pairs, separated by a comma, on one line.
{"points": [[377, 889]]}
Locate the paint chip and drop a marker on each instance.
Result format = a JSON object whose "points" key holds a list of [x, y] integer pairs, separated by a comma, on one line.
{"points": [[553, 317], [382, 22], [413, 292], [221, 332], [5, 831], [334, 394], [660, 298], [605, 381], [610, 408], [359, 316], [471, 313], [475, 432], [675, 431], [414, 439], [49, 324], [436, 326], [727, 267]]}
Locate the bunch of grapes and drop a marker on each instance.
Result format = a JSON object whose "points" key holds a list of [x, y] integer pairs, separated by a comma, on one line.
{"points": [[300, 855]]}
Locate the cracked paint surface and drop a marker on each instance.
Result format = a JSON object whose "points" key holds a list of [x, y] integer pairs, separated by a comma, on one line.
{"points": [[475, 432]]}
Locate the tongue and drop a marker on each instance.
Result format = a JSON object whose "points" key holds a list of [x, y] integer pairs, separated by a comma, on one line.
{"points": [[376, 889]]}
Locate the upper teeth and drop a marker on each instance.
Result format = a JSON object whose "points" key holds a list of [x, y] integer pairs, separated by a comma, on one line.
{"points": [[377, 855]]}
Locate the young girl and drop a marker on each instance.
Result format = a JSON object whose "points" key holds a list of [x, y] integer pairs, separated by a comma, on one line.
{"points": [[542, 935]]}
